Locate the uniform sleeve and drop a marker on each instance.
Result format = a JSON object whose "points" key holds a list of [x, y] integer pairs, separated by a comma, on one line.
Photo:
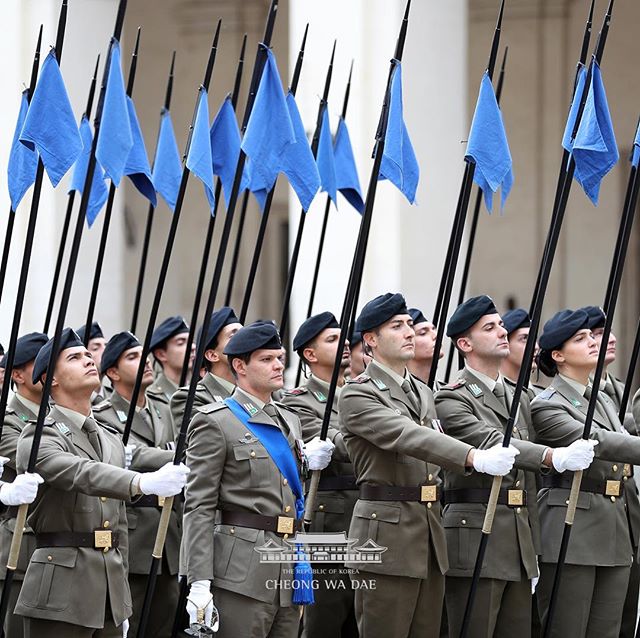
{"points": [[9, 443], [149, 459], [364, 415]]}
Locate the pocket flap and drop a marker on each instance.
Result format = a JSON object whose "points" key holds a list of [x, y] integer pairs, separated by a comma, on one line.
{"points": [[377, 511], [63, 556], [331, 504], [246, 452], [244, 533], [463, 518], [559, 497]]}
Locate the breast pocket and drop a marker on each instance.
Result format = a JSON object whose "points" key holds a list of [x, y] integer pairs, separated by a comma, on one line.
{"points": [[256, 459], [49, 578]]}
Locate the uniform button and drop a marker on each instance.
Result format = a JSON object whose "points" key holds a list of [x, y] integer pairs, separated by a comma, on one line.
{"points": [[288, 508], [106, 524], [49, 557], [103, 498], [567, 501], [105, 550], [518, 510], [515, 430], [422, 422], [398, 411], [464, 521], [613, 499], [374, 515], [232, 530], [615, 468], [517, 483], [430, 477], [429, 506], [625, 478], [285, 482], [285, 536], [320, 507], [252, 454]]}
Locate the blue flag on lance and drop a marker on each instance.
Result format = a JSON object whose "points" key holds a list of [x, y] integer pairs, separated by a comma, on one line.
{"points": [[567, 138], [114, 138], [635, 154], [488, 147], [137, 168], [399, 164], [167, 168], [326, 159], [199, 158], [595, 151], [50, 126], [347, 181], [99, 190], [23, 161]]}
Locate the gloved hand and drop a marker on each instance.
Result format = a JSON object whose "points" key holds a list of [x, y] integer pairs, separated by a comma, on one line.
{"points": [[128, 455], [125, 627], [497, 460], [577, 456], [201, 599], [3, 460], [167, 481], [318, 453], [22, 491]]}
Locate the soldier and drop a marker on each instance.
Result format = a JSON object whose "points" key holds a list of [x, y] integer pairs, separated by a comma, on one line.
{"points": [[168, 346], [420, 365], [316, 342], [359, 359], [150, 429], [96, 346], [395, 441], [76, 581], [246, 487], [596, 571], [23, 407], [217, 383], [475, 409]]}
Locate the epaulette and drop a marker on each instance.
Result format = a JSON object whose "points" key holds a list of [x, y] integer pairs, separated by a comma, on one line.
{"points": [[102, 406], [361, 378], [47, 421], [455, 385], [211, 407], [547, 393], [109, 428], [294, 392]]}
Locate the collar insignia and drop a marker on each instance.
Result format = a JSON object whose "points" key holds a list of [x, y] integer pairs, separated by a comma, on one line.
{"points": [[250, 408], [321, 396], [122, 416], [62, 428], [380, 383], [476, 390]]}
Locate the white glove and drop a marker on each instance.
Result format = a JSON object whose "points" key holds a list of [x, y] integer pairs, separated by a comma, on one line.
{"points": [[125, 625], [200, 598], [497, 460], [167, 481], [318, 453], [22, 491], [128, 455], [577, 456]]}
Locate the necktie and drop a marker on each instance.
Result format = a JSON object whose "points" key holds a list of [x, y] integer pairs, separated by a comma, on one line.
{"points": [[500, 392], [408, 389], [91, 430]]}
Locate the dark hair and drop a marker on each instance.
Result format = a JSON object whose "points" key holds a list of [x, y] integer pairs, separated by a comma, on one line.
{"points": [[244, 357], [462, 335], [546, 364]]}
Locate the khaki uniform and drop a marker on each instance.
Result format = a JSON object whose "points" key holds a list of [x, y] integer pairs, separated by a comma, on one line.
{"points": [[394, 441], [149, 431], [162, 389], [232, 472], [83, 492], [600, 552], [332, 613], [469, 411]]}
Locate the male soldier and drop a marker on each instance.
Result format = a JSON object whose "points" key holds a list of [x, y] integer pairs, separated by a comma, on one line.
{"points": [[217, 383], [76, 581], [425, 340], [394, 440], [168, 346], [246, 453], [150, 429], [359, 359], [316, 342], [475, 409], [23, 407], [96, 346]]}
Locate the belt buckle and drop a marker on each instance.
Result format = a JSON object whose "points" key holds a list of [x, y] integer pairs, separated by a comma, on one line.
{"points": [[285, 525], [428, 493], [613, 488], [515, 498], [102, 539], [161, 500]]}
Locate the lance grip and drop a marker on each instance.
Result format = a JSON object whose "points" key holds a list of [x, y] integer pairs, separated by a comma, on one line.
{"points": [[310, 499], [16, 539], [572, 503], [163, 526], [487, 525]]}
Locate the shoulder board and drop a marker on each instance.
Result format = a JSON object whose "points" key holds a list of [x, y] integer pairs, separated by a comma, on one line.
{"points": [[294, 392], [109, 428], [47, 421], [211, 407], [455, 385], [102, 406], [361, 378], [547, 393]]}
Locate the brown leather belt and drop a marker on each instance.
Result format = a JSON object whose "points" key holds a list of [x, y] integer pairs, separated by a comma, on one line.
{"points": [[511, 498], [102, 539], [276, 524], [595, 486], [335, 483], [148, 500], [419, 493]]}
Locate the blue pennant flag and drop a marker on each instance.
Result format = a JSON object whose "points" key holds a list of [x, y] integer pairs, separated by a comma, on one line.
{"points": [[167, 168], [567, 138], [99, 191], [347, 181], [326, 159], [635, 155], [23, 161], [50, 126], [298, 162], [595, 151], [114, 138], [199, 158], [137, 167], [269, 130], [488, 146], [399, 164]]}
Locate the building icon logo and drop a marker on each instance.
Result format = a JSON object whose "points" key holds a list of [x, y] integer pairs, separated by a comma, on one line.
{"points": [[333, 547]]}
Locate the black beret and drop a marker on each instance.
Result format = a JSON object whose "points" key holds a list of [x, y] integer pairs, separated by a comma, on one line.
{"points": [[27, 348], [219, 319], [256, 336], [68, 339], [467, 313], [381, 309], [94, 333], [596, 315], [119, 343], [170, 327], [356, 338], [515, 319], [561, 327], [417, 316], [312, 327]]}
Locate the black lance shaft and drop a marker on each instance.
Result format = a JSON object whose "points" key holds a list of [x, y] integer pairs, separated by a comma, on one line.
{"points": [[359, 256], [295, 254], [261, 57], [539, 294], [150, 213], [631, 370], [236, 248], [474, 225], [264, 220], [67, 218], [4, 261], [106, 221], [204, 262], [21, 516]]}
